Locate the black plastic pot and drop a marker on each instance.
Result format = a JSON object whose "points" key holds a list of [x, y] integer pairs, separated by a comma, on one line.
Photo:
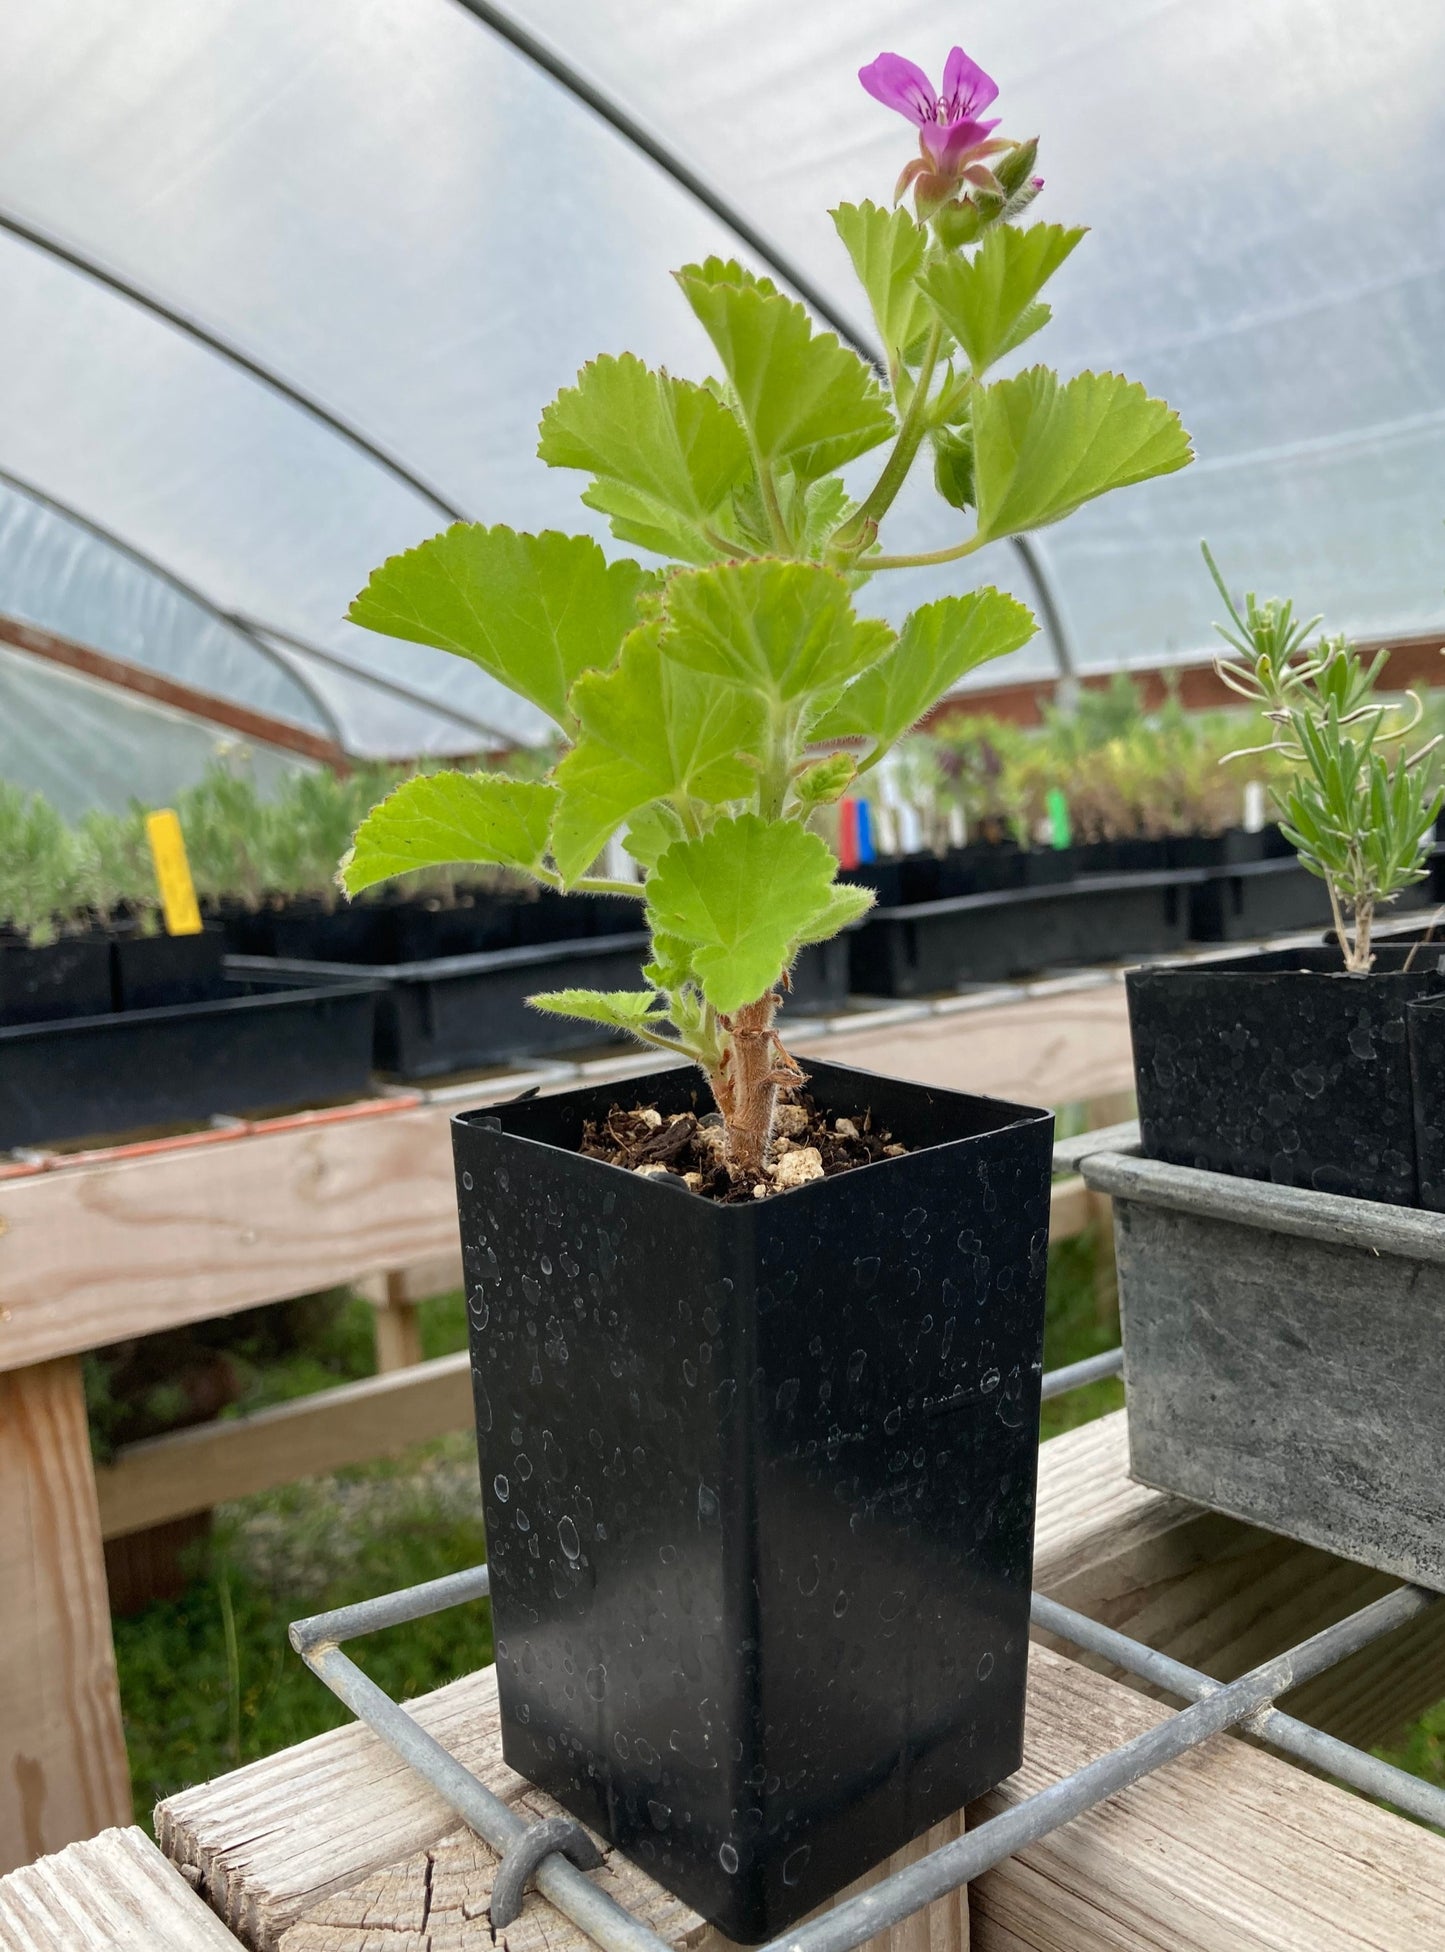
{"points": [[819, 980], [1426, 1022], [151, 972], [759, 1484], [1279, 1066], [68, 978], [936, 946], [1233, 848], [1257, 898], [900, 878], [266, 1045], [1134, 854]]}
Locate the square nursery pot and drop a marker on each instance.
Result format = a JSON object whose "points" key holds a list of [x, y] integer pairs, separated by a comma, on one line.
{"points": [[1279, 1066], [759, 1483], [1282, 1357], [67, 978], [1427, 1075]]}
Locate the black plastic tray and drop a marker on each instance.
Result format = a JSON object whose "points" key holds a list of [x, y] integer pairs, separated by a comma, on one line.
{"points": [[935, 946], [277, 1040]]}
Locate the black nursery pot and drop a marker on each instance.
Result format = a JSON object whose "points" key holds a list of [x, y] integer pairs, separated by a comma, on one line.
{"points": [[1427, 1073], [1279, 1066], [759, 1483], [67, 978]]}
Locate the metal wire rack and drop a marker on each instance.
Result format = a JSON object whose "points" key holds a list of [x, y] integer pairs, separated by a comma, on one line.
{"points": [[1213, 1706]]}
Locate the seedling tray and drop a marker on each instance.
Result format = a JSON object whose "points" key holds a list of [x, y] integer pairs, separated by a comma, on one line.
{"points": [[271, 1042], [933, 946]]}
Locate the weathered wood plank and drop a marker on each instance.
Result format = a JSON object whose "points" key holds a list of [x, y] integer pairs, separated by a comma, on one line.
{"points": [[191, 1470], [1217, 1594], [1226, 1850], [91, 1254], [1053, 1049], [63, 1771], [115, 1893]]}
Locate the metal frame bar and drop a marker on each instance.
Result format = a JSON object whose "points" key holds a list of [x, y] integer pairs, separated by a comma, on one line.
{"points": [[1214, 1707]]}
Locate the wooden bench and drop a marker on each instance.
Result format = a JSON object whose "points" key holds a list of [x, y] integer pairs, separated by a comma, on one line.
{"points": [[113, 1893], [334, 1846]]}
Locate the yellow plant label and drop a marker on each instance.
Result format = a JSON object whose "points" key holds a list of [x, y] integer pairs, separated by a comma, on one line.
{"points": [[173, 873]]}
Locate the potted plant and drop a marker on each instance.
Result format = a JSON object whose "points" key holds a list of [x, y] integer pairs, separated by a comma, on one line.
{"points": [[757, 1351], [1293, 1065], [1281, 1338]]}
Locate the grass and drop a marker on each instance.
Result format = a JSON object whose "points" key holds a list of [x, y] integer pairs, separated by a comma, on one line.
{"points": [[208, 1681]]}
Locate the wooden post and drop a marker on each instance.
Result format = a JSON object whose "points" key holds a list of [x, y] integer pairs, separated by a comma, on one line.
{"points": [[63, 1770], [398, 1326]]}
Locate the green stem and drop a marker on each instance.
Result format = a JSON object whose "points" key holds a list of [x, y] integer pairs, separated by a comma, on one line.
{"points": [[910, 433], [590, 885], [927, 558]]}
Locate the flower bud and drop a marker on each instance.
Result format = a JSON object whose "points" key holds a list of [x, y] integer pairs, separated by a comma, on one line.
{"points": [[959, 222], [1013, 170]]}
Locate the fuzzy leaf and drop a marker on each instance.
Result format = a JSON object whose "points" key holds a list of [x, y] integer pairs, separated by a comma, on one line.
{"points": [[785, 630], [746, 896], [665, 454], [953, 464], [534, 611], [651, 831], [1042, 446], [449, 819], [811, 404], [937, 645], [651, 729], [887, 248], [987, 301], [632, 1010]]}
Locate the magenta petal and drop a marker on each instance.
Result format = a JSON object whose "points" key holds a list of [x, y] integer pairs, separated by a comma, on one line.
{"points": [[948, 142], [966, 88], [900, 84]]}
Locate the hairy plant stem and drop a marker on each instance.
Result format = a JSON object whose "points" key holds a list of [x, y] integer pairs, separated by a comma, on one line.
{"points": [[884, 491], [593, 885], [754, 1068], [926, 559]]}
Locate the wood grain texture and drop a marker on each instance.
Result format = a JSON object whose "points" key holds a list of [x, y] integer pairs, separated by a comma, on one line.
{"points": [[63, 1771], [191, 1470], [1047, 1050], [91, 1254], [1216, 1594], [1225, 1850], [115, 1893]]}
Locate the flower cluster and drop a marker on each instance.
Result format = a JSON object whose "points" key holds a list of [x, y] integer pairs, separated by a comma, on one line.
{"points": [[964, 177]]}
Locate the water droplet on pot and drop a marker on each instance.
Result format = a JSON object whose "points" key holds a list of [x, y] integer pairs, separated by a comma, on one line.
{"points": [[567, 1538], [985, 1667], [689, 1374], [808, 1578], [913, 1219], [467, 1182], [544, 1263], [524, 1713], [621, 1744], [501, 1487], [500, 1176], [728, 1858], [660, 1813], [596, 1681], [892, 1420], [865, 1270], [483, 1404], [667, 1554], [795, 1863], [524, 1467], [524, 1524], [855, 1364], [990, 1381], [840, 1606], [707, 1505]]}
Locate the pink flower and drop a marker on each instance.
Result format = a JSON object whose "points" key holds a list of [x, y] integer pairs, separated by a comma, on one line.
{"points": [[948, 123]]}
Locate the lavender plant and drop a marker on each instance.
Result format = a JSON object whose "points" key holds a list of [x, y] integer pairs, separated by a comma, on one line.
{"points": [[1356, 806], [711, 707]]}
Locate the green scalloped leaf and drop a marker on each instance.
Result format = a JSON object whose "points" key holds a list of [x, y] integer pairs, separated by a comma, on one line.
{"points": [[534, 611], [665, 454], [440, 820], [784, 630], [651, 729], [988, 301], [938, 644], [745, 898], [811, 403], [887, 248], [1043, 447]]}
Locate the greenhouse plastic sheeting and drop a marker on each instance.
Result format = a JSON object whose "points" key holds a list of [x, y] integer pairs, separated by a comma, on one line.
{"points": [[410, 237], [84, 744]]}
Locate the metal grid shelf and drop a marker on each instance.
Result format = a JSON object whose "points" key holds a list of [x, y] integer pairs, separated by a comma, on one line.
{"points": [[1246, 1703]]}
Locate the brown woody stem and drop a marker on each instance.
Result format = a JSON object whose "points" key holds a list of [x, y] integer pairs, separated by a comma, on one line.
{"points": [[754, 1069]]}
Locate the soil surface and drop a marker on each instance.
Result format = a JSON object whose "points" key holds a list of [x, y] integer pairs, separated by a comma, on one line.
{"points": [[809, 1144]]}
